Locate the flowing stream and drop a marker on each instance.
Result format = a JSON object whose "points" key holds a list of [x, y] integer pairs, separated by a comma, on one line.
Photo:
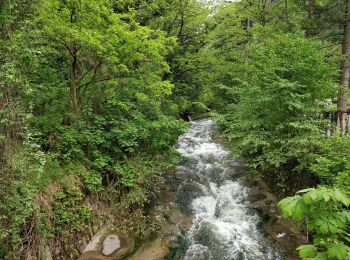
{"points": [[224, 225]]}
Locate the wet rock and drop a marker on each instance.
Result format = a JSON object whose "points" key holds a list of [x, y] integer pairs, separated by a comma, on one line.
{"points": [[166, 196], [153, 250], [253, 197], [186, 194], [93, 249], [262, 200], [286, 235], [176, 217], [213, 174], [235, 170], [284, 232], [172, 223], [93, 255], [127, 246], [110, 245]]}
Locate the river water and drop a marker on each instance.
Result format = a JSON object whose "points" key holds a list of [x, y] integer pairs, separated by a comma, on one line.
{"points": [[224, 225]]}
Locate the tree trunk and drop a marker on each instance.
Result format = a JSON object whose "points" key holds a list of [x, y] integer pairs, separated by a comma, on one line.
{"points": [[75, 71], [263, 13], [310, 4], [74, 80], [73, 91], [287, 14], [345, 73]]}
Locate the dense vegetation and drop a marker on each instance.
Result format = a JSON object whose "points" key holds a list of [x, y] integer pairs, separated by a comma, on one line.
{"points": [[93, 94], [86, 120]]}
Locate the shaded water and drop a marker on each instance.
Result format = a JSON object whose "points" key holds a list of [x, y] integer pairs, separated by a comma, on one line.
{"points": [[224, 226]]}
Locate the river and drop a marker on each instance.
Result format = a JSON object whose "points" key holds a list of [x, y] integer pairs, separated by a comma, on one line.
{"points": [[224, 225]]}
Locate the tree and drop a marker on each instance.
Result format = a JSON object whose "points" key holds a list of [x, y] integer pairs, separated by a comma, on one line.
{"points": [[277, 121], [100, 46], [88, 88], [343, 119]]}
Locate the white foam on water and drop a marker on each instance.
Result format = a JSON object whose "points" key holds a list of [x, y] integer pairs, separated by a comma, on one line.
{"points": [[224, 226]]}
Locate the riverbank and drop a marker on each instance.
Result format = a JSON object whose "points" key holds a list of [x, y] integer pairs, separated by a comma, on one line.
{"points": [[210, 208], [224, 225]]}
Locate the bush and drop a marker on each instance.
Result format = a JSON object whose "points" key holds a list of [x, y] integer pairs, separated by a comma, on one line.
{"points": [[325, 212], [332, 162]]}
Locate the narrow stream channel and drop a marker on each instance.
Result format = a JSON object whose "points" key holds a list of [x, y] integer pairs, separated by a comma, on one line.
{"points": [[224, 225]]}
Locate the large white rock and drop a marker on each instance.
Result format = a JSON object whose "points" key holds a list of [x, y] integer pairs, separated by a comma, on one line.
{"points": [[110, 244], [95, 244], [96, 241]]}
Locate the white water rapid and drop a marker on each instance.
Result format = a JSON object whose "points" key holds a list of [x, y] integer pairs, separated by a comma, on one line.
{"points": [[224, 226]]}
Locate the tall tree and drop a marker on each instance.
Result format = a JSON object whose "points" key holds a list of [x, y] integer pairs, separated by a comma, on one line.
{"points": [[94, 44], [345, 74]]}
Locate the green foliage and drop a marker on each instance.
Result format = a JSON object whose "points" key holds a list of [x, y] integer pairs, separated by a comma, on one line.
{"points": [[332, 162], [111, 144], [278, 121], [92, 180], [91, 92], [188, 21], [70, 214], [136, 172], [307, 251], [325, 211], [28, 172], [15, 210]]}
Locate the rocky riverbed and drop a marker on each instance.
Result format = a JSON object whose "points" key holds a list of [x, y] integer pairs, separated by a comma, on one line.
{"points": [[205, 211]]}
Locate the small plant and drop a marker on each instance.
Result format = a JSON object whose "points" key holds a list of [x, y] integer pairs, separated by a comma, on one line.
{"points": [[325, 211]]}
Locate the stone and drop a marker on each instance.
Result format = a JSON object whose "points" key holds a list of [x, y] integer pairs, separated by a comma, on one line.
{"points": [[253, 197], [93, 255], [127, 245], [93, 248], [153, 250], [284, 232], [110, 244], [95, 242]]}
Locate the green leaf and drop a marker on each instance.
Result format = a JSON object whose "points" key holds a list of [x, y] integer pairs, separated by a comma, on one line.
{"points": [[307, 251], [332, 228], [339, 195], [308, 199], [337, 250], [320, 256], [300, 209], [326, 196], [305, 190], [287, 206], [314, 195], [324, 228]]}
